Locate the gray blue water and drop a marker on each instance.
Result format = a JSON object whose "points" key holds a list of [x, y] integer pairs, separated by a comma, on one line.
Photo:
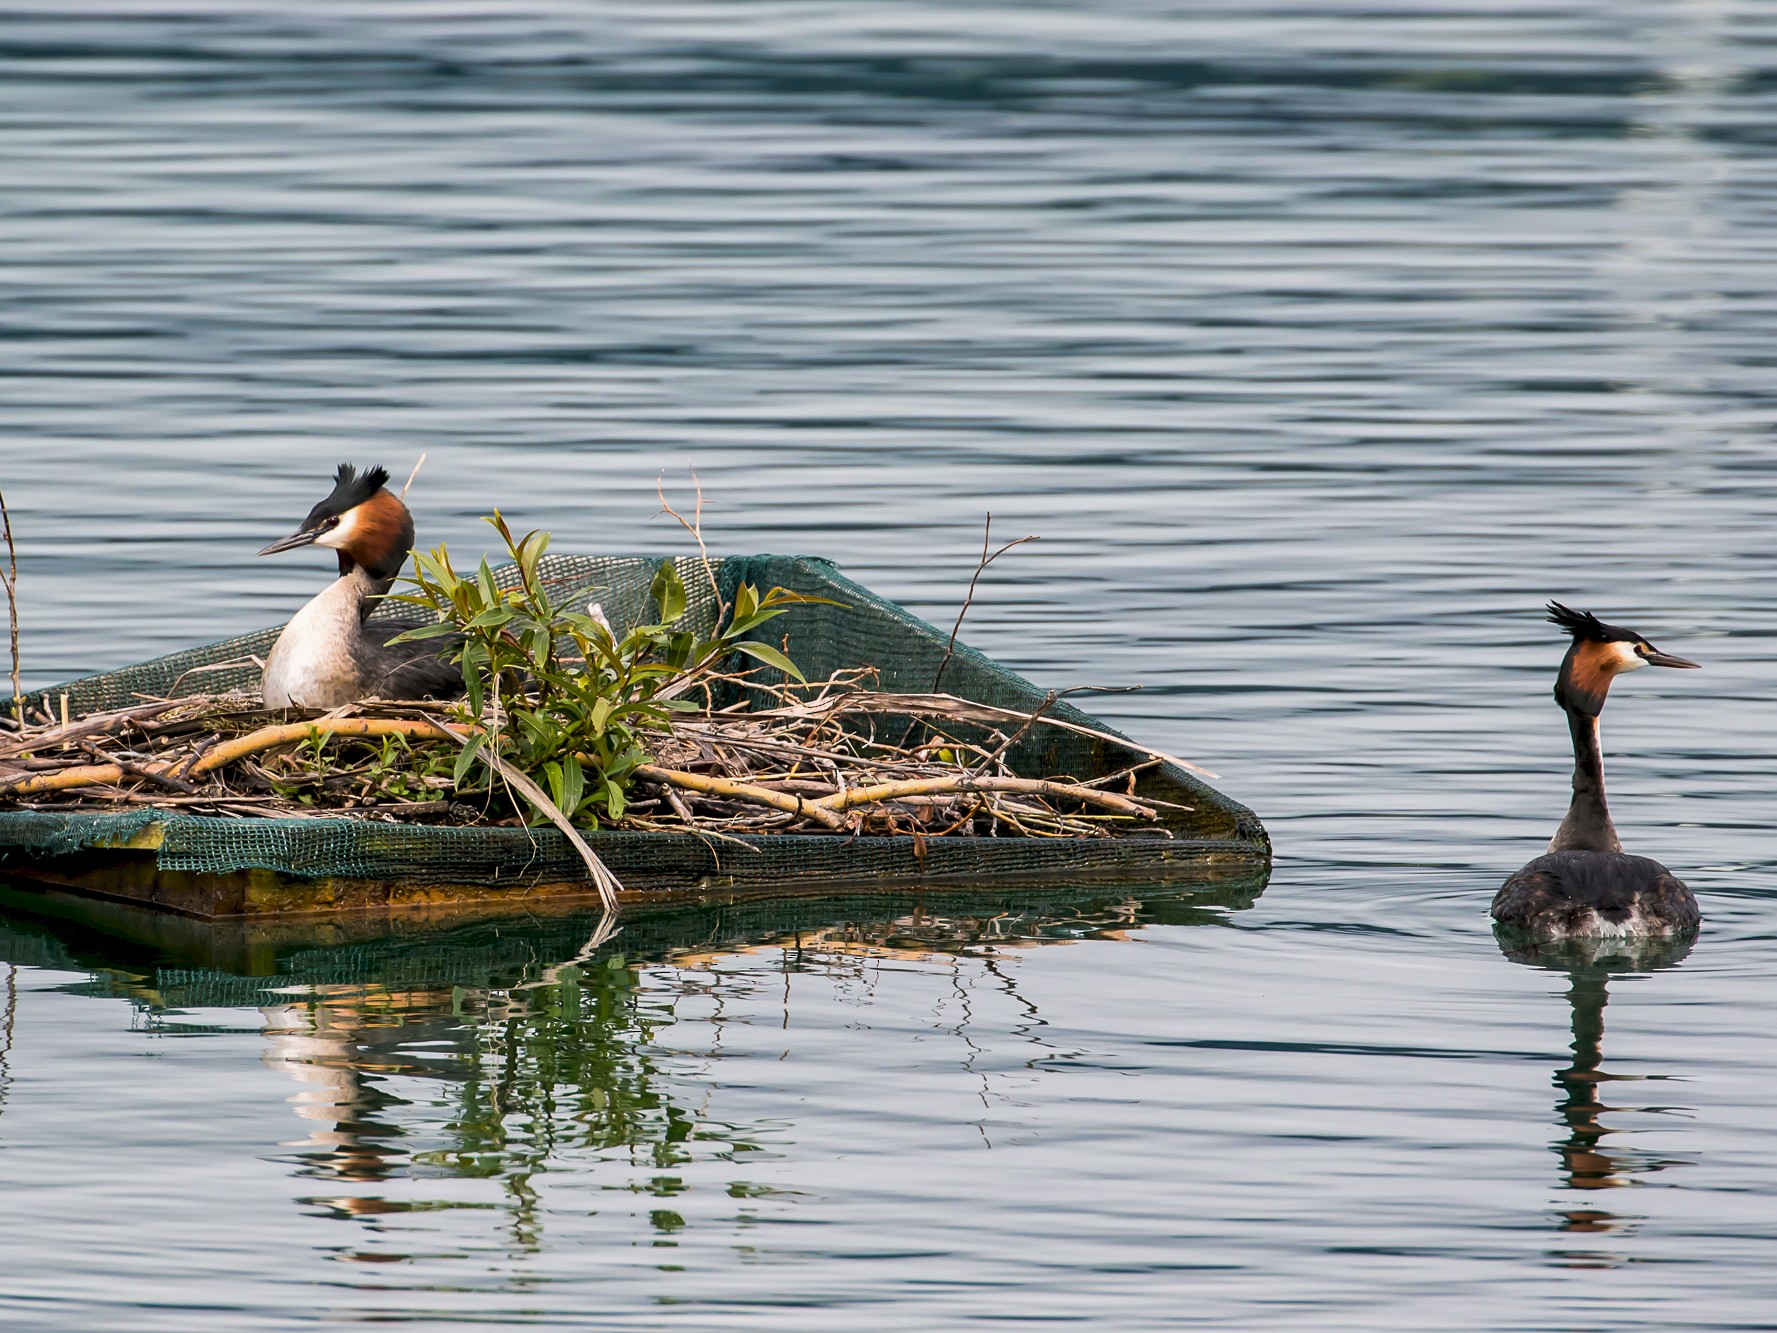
{"points": [[1319, 344]]}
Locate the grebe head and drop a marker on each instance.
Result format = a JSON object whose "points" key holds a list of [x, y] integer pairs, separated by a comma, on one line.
{"points": [[1598, 655], [366, 524]]}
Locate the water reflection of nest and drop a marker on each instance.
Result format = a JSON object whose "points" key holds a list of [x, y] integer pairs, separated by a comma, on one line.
{"points": [[533, 1037]]}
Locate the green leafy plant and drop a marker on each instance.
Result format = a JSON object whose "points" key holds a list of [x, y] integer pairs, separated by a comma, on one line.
{"points": [[391, 770], [554, 692]]}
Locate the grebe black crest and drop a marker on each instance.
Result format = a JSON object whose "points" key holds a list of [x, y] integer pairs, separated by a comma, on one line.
{"points": [[328, 654], [1585, 886]]}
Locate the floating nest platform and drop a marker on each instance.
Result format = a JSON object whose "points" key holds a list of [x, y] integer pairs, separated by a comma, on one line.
{"points": [[222, 865]]}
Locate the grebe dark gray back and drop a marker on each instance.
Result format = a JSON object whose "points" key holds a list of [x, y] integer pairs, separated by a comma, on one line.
{"points": [[328, 655], [1584, 885]]}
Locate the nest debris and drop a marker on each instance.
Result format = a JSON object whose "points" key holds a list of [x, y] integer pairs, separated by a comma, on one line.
{"points": [[849, 760]]}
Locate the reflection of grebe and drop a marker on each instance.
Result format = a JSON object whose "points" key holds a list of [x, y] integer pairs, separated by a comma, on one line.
{"points": [[1585, 886], [335, 1041], [1586, 1161]]}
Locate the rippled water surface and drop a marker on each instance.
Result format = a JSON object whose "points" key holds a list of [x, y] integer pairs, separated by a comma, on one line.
{"points": [[1319, 343]]}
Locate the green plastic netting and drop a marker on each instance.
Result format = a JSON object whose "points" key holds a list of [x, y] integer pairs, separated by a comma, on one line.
{"points": [[864, 630]]}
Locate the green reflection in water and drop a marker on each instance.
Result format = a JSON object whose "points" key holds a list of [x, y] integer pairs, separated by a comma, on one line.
{"points": [[495, 1051]]}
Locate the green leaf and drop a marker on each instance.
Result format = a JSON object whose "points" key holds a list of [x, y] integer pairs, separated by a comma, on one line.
{"points": [[784, 597], [497, 521], [746, 602], [668, 592], [475, 664], [571, 786], [739, 627], [466, 757], [773, 604], [435, 565], [492, 618], [437, 631], [530, 551], [681, 650], [539, 729], [599, 715], [771, 657], [537, 644]]}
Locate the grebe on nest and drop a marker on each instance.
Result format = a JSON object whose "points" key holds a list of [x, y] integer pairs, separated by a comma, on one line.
{"points": [[328, 655], [1585, 886]]}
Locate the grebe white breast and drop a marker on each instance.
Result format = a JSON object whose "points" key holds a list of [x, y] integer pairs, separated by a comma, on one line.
{"points": [[329, 654]]}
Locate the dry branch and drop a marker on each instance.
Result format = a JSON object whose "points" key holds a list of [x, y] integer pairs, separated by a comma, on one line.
{"points": [[969, 597], [10, 579], [969, 783], [742, 791], [293, 733]]}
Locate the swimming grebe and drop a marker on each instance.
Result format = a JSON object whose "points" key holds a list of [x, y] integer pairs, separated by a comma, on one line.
{"points": [[327, 654], [1584, 885]]}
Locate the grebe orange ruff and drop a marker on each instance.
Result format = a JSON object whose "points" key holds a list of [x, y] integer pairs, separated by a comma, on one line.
{"points": [[1585, 886], [328, 655]]}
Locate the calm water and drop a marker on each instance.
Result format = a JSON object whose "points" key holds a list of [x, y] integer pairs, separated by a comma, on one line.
{"points": [[1319, 343]]}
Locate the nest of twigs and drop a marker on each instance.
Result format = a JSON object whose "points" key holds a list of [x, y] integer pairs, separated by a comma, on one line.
{"points": [[848, 760]]}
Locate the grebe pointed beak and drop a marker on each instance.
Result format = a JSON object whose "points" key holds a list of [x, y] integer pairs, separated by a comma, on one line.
{"points": [[1657, 658], [306, 537]]}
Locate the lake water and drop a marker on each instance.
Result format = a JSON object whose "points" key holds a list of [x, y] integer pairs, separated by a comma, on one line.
{"points": [[1320, 344]]}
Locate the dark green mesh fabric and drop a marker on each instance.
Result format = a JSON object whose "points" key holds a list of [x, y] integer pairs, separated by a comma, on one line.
{"points": [[863, 630]]}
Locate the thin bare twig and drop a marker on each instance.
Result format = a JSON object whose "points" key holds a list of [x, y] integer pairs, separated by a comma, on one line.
{"points": [[418, 464], [11, 579], [695, 528], [969, 600], [158, 777], [1049, 701]]}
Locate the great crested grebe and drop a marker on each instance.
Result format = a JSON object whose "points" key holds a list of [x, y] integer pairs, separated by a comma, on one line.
{"points": [[328, 655], [1584, 885]]}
